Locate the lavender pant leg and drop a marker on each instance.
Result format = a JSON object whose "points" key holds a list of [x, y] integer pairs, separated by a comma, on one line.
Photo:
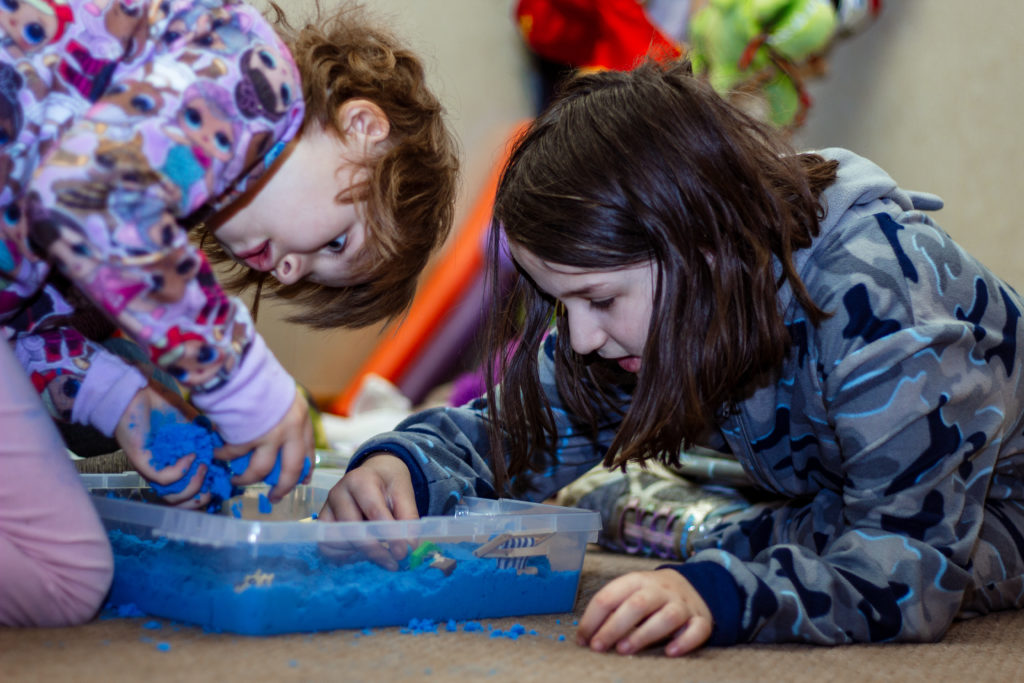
{"points": [[55, 559]]}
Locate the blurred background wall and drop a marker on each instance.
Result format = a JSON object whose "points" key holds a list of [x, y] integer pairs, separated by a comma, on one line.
{"points": [[932, 91]]}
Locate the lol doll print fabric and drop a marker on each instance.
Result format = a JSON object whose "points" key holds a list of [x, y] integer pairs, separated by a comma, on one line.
{"points": [[121, 122]]}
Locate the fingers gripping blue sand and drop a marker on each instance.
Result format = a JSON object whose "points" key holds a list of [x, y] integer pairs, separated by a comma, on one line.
{"points": [[170, 440]]}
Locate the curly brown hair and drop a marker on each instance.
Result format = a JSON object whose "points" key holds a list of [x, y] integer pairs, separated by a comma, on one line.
{"points": [[650, 165], [410, 189]]}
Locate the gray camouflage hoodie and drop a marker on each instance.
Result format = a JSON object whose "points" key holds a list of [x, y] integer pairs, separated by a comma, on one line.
{"points": [[892, 436]]}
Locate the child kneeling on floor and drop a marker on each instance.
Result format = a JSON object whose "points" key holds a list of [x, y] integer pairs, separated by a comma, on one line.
{"points": [[316, 156]]}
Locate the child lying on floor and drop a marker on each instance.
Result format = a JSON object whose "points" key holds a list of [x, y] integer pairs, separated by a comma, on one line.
{"points": [[800, 312]]}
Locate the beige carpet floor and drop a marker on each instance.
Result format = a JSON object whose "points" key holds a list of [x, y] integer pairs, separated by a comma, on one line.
{"points": [[986, 649]]}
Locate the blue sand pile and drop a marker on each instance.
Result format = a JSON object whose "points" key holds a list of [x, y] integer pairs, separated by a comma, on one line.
{"points": [[170, 439], [302, 589]]}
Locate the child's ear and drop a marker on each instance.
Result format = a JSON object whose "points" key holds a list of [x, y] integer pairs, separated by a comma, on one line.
{"points": [[363, 119]]}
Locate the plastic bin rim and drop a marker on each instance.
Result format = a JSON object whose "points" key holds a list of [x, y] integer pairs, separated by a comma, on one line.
{"points": [[486, 518]]}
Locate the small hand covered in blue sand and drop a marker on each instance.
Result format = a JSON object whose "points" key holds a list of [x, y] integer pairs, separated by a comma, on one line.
{"points": [[170, 439], [241, 464]]}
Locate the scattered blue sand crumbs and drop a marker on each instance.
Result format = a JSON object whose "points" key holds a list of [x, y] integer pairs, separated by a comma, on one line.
{"points": [[153, 625], [128, 610], [418, 626], [561, 636], [451, 626], [169, 440], [297, 587], [266, 507], [292, 663], [236, 510], [163, 647]]}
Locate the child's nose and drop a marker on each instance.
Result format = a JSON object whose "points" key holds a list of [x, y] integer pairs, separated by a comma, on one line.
{"points": [[584, 335]]}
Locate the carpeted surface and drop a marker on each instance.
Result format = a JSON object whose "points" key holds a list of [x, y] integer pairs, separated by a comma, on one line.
{"points": [[118, 649]]}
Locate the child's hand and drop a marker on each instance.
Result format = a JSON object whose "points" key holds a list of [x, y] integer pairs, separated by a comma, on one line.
{"points": [[640, 609], [133, 430], [292, 437], [379, 489]]}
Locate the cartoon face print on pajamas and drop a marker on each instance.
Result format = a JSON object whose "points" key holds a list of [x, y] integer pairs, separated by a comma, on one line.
{"points": [[129, 100], [11, 114], [166, 280], [30, 24], [192, 359], [126, 21], [14, 245], [266, 86], [205, 134], [59, 396], [119, 168]]}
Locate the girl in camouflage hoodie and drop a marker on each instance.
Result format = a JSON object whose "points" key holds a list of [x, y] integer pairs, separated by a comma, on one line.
{"points": [[798, 312]]}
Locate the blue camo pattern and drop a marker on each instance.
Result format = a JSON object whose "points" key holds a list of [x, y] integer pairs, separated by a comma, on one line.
{"points": [[893, 436]]}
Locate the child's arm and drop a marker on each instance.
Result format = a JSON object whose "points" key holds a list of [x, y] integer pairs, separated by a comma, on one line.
{"points": [[447, 450], [897, 520], [108, 197]]}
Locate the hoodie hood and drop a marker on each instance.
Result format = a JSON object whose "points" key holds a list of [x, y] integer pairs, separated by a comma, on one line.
{"points": [[859, 187]]}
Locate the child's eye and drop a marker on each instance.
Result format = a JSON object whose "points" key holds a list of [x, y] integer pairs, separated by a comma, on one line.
{"points": [[337, 245], [602, 304]]}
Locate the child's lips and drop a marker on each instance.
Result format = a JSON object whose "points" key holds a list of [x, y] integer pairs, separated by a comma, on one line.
{"points": [[629, 364], [258, 258]]}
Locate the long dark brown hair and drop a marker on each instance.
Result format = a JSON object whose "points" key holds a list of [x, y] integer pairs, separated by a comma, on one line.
{"points": [[621, 169]]}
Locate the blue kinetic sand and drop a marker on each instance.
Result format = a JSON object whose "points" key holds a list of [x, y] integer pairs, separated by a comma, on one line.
{"points": [[259, 577], [169, 440]]}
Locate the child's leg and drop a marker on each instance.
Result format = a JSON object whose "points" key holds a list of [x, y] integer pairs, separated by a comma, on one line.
{"points": [[997, 563], [653, 511], [55, 559]]}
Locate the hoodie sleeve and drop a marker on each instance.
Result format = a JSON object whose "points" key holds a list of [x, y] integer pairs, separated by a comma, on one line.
{"points": [[154, 113], [447, 449]]}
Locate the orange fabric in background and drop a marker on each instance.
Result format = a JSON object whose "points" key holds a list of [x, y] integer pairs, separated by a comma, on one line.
{"points": [[610, 34]]}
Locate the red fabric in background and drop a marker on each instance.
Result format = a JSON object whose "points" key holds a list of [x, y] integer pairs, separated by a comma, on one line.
{"points": [[613, 34]]}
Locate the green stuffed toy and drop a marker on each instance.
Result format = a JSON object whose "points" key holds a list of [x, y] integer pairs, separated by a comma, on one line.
{"points": [[758, 46]]}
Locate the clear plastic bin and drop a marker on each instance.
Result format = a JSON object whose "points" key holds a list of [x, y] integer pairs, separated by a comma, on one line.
{"points": [[280, 572]]}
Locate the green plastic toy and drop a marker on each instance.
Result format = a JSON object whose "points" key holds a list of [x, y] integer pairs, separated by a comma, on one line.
{"points": [[758, 46]]}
